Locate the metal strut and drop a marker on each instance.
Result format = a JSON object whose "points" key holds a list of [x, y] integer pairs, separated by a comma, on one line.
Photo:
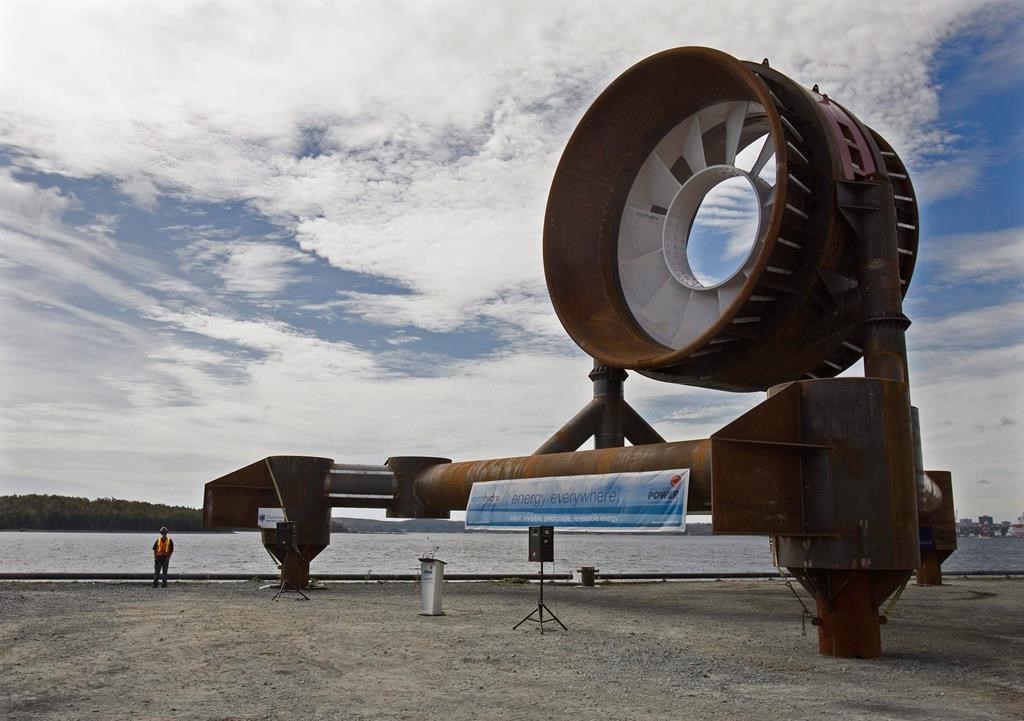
{"points": [[608, 418]]}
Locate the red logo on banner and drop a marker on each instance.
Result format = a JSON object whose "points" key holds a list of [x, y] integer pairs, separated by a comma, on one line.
{"points": [[675, 480]]}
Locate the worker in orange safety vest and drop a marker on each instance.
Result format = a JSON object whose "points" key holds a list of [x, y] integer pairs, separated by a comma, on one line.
{"points": [[163, 547]]}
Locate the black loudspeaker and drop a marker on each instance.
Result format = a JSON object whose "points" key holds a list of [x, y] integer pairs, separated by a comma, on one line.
{"points": [[286, 534], [542, 544]]}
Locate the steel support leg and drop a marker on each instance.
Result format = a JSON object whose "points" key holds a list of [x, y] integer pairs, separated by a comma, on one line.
{"points": [[930, 572], [608, 389], [295, 571], [849, 625]]}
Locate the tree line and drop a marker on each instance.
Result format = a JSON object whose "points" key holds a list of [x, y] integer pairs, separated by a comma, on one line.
{"points": [[36, 512]]}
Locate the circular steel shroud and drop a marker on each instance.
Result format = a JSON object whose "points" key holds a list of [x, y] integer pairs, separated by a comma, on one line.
{"points": [[793, 309]]}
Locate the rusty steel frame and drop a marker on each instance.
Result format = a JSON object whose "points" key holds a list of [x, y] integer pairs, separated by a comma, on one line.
{"points": [[938, 530], [306, 489], [830, 468], [825, 290]]}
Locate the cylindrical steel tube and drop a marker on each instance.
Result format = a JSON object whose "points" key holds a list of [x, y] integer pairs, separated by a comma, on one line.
{"points": [[929, 495], [608, 389], [884, 325], [446, 487], [347, 479], [571, 436], [638, 431]]}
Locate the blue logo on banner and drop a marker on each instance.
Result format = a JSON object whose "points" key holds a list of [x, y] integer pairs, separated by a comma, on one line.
{"points": [[646, 500]]}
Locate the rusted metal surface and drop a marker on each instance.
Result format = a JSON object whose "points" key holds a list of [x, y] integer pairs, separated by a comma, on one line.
{"points": [[756, 470], [296, 483], [576, 431], [299, 485], [446, 487], [929, 495], [232, 500], [847, 603], [938, 531], [818, 464], [361, 486], [608, 389], [852, 150], [864, 493], [860, 488], [905, 203], [930, 572], [942, 520], [823, 465], [406, 469], [638, 431], [803, 292]]}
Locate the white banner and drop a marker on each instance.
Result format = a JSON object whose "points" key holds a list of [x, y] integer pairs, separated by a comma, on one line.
{"points": [[269, 517], [640, 501]]}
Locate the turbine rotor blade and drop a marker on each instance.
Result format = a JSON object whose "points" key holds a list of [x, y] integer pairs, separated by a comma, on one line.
{"points": [[767, 151], [654, 187], [734, 121]]}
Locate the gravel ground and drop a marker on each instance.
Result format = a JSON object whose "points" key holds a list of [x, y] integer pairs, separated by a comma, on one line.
{"points": [[694, 650]]}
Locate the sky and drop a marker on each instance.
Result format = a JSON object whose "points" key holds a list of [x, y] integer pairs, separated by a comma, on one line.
{"points": [[230, 230]]}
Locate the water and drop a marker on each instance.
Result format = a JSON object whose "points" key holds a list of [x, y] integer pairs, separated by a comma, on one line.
{"points": [[40, 552]]}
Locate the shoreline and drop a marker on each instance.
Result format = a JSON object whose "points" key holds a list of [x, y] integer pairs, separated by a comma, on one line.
{"points": [[568, 578], [210, 532]]}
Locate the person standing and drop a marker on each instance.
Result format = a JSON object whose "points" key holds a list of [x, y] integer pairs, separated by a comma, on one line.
{"points": [[163, 547]]}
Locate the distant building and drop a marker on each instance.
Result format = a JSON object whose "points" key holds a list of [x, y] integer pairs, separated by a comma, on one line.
{"points": [[987, 527]]}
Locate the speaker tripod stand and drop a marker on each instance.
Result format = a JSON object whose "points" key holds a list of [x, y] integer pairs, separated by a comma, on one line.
{"points": [[541, 608], [286, 587]]}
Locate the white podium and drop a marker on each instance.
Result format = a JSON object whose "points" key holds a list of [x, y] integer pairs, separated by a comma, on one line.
{"points": [[431, 585]]}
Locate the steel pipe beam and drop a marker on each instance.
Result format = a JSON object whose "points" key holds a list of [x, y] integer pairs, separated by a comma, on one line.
{"points": [[446, 487]]}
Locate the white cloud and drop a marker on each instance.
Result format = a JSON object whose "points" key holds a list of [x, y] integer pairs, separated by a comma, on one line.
{"points": [[967, 379], [27, 205], [971, 406], [459, 235], [434, 130], [34, 243], [253, 267], [989, 326], [995, 64], [985, 257], [142, 191], [439, 128], [950, 175]]}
